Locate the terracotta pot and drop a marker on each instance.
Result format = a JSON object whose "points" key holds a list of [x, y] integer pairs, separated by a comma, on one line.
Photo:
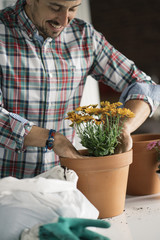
{"points": [[103, 180], [143, 179], [158, 173]]}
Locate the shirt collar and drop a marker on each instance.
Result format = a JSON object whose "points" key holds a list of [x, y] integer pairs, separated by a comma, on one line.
{"points": [[26, 24]]}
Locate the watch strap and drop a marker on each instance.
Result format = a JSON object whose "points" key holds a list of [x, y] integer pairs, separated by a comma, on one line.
{"points": [[50, 140]]}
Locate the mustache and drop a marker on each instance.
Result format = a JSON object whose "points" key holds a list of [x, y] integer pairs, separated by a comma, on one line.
{"points": [[57, 23], [54, 22]]}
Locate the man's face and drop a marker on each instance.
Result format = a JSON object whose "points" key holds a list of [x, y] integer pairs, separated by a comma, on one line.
{"points": [[51, 16]]}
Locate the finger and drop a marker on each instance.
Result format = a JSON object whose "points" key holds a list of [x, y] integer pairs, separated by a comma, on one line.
{"points": [[81, 222], [118, 149], [90, 235], [125, 145], [97, 223], [56, 231]]}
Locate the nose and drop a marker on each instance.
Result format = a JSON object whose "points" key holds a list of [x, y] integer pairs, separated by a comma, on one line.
{"points": [[64, 18]]}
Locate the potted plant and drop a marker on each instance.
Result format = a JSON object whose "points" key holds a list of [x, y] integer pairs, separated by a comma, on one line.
{"points": [[99, 129], [155, 145]]}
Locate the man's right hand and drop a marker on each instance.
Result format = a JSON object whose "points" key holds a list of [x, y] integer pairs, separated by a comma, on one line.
{"points": [[63, 147], [37, 137]]}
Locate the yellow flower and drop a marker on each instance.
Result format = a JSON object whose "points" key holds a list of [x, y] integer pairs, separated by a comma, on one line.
{"points": [[93, 111], [106, 110], [98, 121], [105, 104], [113, 112], [129, 113], [81, 108], [125, 112], [120, 111], [74, 117], [86, 118], [70, 113], [94, 105], [86, 113], [115, 105]]}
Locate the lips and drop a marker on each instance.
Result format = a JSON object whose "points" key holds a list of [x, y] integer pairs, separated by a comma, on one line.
{"points": [[55, 27]]}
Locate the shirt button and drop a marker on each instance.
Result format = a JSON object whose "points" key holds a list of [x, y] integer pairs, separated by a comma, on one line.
{"points": [[51, 75], [18, 151]]}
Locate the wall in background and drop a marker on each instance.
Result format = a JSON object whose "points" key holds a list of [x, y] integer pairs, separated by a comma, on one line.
{"points": [[5, 3], [133, 28], [91, 90]]}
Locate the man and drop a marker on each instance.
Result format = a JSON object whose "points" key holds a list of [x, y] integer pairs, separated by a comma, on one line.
{"points": [[46, 55]]}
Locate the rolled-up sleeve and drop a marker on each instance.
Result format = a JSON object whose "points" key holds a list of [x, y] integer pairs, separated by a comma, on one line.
{"points": [[142, 91], [13, 129]]}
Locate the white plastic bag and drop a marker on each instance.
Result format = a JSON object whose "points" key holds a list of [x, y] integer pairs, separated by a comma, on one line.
{"points": [[27, 202]]}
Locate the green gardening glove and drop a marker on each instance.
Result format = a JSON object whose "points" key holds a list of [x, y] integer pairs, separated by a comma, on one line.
{"points": [[72, 229]]}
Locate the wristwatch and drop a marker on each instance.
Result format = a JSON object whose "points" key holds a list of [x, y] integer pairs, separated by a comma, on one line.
{"points": [[50, 140]]}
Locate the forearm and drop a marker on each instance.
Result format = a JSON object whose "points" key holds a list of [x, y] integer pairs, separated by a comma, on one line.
{"points": [[141, 109], [37, 137]]}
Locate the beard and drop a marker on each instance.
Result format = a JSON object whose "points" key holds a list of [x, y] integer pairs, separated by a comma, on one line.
{"points": [[45, 32]]}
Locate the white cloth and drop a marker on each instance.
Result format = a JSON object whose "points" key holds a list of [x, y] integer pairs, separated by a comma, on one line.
{"points": [[61, 173], [28, 202], [42, 183]]}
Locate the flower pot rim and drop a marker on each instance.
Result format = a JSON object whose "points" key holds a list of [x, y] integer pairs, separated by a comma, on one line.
{"points": [[145, 137], [105, 163]]}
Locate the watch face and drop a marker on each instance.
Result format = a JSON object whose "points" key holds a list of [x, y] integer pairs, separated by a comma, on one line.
{"points": [[49, 142]]}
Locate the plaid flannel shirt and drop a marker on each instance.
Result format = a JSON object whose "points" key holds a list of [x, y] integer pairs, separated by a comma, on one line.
{"points": [[42, 81]]}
